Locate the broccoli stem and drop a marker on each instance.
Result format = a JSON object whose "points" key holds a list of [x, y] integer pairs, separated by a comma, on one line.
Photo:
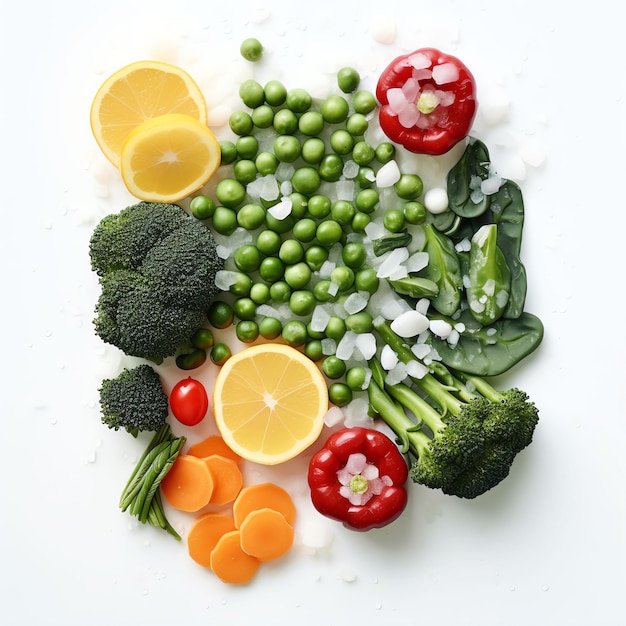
{"points": [[440, 393]]}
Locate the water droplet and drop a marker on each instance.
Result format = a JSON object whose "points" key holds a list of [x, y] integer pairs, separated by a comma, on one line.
{"points": [[512, 588], [53, 421], [379, 606], [145, 592], [546, 588]]}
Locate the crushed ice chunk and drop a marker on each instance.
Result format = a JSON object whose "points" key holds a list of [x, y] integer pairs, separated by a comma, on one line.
{"points": [[329, 346], [225, 279], [346, 345], [388, 175], [391, 262], [415, 369], [420, 350], [281, 210], [396, 374], [345, 190], [334, 416], [356, 302], [319, 319], [441, 328], [410, 324], [366, 345], [417, 261], [388, 358], [356, 413]]}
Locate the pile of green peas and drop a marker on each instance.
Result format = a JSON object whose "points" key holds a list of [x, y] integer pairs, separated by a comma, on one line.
{"points": [[320, 144]]}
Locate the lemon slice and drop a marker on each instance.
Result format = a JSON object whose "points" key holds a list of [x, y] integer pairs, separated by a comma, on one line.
{"points": [[168, 158], [269, 402], [139, 92]]}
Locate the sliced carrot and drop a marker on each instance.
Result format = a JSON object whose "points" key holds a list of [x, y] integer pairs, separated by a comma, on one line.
{"points": [[188, 486], [213, 444], [263, 496], [204, 534], [230, 563], [227, 478], [266, 534]]}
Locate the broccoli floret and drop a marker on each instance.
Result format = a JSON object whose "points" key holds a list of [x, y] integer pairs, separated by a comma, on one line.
{"points": [[157, 268], [134, 400], [473, 433]]}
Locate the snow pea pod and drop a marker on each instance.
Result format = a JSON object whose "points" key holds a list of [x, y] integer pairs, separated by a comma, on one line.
{"points": [[489, 278], [443, 269]]}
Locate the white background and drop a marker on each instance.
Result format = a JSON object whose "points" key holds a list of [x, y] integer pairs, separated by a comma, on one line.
{"points": [[547, 547]]}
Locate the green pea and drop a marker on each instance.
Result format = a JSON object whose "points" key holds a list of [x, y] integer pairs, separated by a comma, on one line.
{"points": [[247, 258], [304, 229], [241, 123], [220, 353], [298, 275], [385, 151], [341, 141], [334, 109], [251, 49], [228, 152], [314, 334], [245, 171], [415, 212], [270, 328], [360, 322], [202, 338], [295, 333], [364, 102], [339, 394], [287, 148], [315, 256], [366, 177], [313, 150], [313, 349], [306, 180], [356, 377], [244, 308], [220, 314], [363, 153], [202, 207], [343, 276], [319, 206], [357, 124], [329, 232], [279, 226], [266, 163], [247, 331], [291, 251], [285, 122], [262, 116], [268, 242], [260, 293], [271, 269], [333, 367], [353, 254], [360, 222], [224, 220], [393, 220], [322, 290], [331, 168], [409, 186], [251, 216], [342, 211], [242, 285], [335, 328], [280, 292], [299, 100], [230, 192], [367, 280], [247, 146], [275, 93], [302, 302], [311, 123], [251, 93], [191, 360], [299, 204], [366, 200], [348, 79]]}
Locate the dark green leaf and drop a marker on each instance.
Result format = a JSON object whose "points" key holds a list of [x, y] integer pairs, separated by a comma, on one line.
{"points": [[472, 166], [490, 350]]}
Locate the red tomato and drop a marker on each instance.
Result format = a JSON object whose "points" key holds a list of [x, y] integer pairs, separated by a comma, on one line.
{"points": [[189, 401]]}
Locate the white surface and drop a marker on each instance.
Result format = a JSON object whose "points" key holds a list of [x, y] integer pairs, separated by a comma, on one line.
{"points": [[547, 547]]}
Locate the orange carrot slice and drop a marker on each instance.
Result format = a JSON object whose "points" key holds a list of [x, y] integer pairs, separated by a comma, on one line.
{"points": [[204, 534], [213, 444], [188, 486], [227, 478], [230, 563], [263, 496], [266, 534]]}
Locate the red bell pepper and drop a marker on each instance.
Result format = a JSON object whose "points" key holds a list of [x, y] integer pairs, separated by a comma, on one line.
{"points": [[428, 101], [358, 478]]}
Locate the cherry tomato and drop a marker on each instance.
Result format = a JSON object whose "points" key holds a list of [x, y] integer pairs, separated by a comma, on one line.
{"points": [[189, 401]]}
